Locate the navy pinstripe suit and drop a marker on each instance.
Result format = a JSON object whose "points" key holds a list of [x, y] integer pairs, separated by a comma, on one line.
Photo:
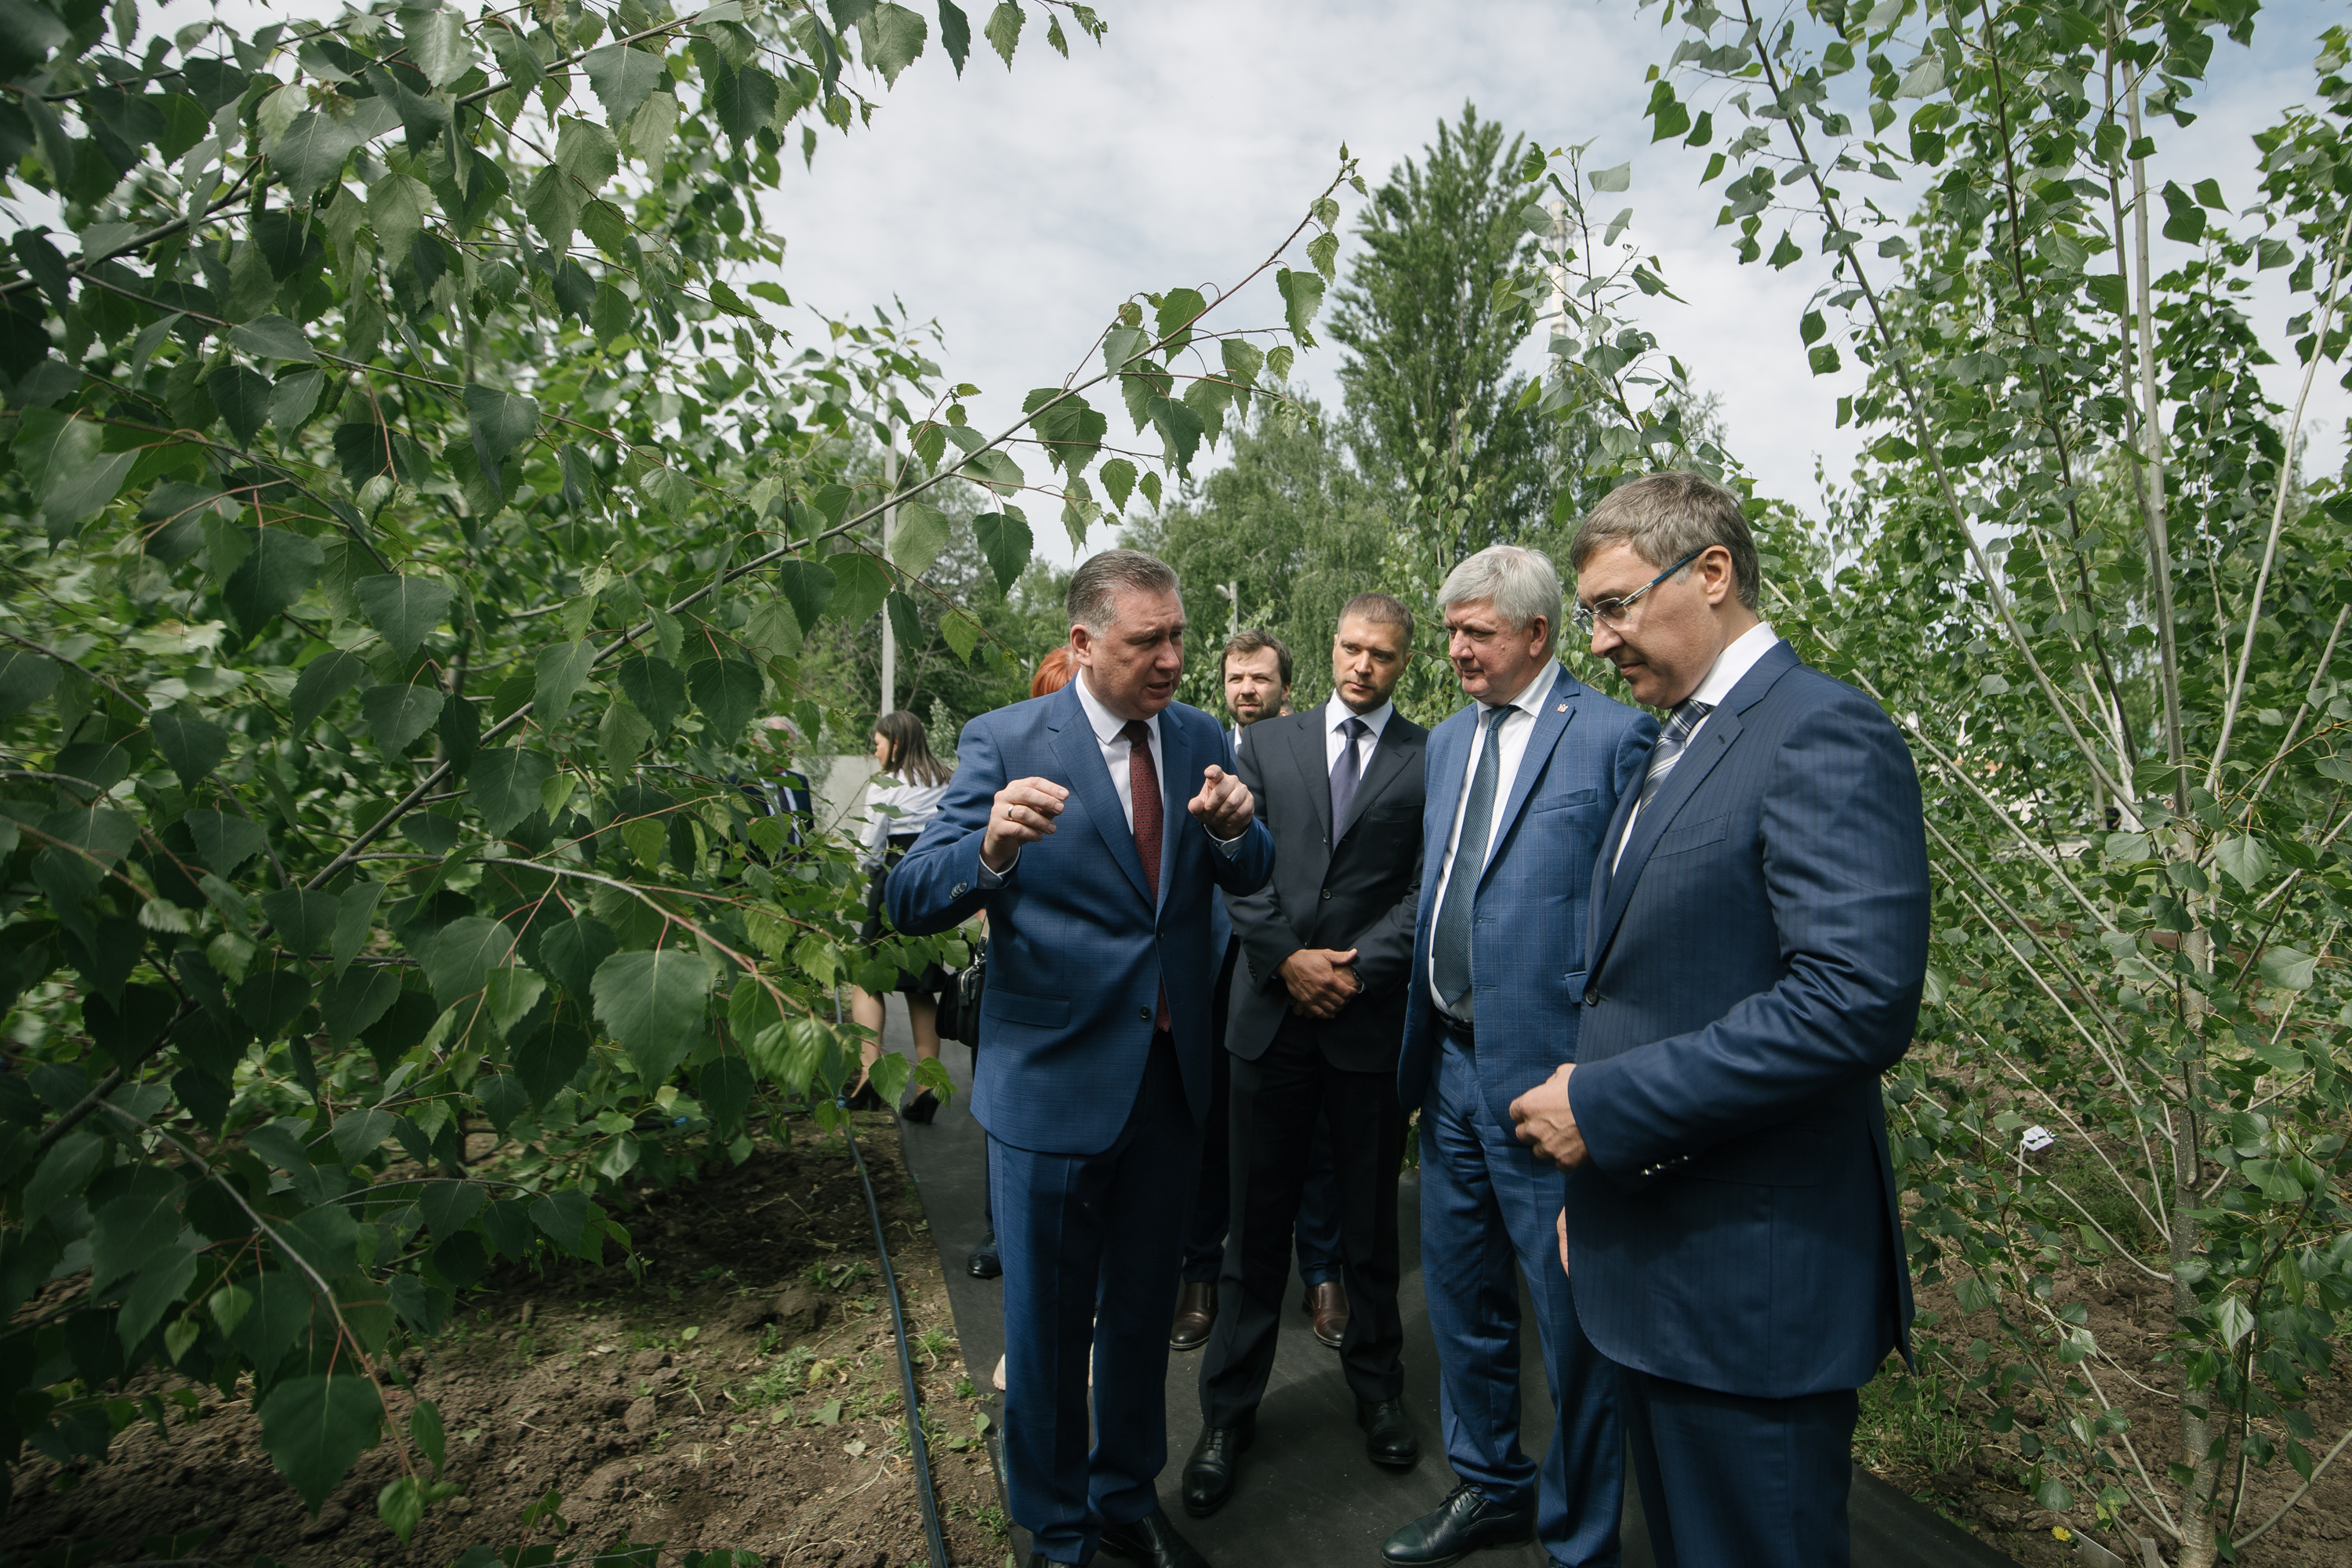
{"points": [[1755, 963]]}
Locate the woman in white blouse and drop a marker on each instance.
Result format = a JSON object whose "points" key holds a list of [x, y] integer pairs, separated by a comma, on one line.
{"points": [[899, 806]]}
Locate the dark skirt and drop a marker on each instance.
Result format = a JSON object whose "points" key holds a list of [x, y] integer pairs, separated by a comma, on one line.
{"points": [[926, 982]]}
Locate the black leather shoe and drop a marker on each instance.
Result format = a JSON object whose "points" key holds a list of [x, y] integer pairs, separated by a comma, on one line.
{"points": [[983, 1263], [922, 1110], [1466, 1521], [1388, 1433], [1153, 1542], [1209, 1473]]}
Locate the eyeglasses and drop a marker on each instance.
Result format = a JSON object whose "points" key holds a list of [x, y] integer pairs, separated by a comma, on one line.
{"points": [[1615, 614]]}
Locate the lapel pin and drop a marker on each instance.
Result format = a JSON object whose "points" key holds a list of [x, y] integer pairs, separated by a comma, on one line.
{"points": [[1561, 709]]}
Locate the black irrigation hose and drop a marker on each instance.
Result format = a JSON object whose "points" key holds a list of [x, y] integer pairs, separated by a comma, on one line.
{"points": [[906, 1363]]}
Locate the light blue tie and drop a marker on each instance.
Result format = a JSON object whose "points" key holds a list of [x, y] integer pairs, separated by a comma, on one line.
{"points": [[1451, 949]]}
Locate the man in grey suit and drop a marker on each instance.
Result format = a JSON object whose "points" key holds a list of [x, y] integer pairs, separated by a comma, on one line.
{"points": [[1316, 1015]]}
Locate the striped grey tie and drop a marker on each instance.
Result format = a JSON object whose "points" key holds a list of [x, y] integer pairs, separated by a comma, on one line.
{"points": [[1669, 749]]}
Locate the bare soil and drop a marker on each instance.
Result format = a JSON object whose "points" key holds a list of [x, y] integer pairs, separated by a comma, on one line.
{"points": [[1978, 1484], [741, 1390]]}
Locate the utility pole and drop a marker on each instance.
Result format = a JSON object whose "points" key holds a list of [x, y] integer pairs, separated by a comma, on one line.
{"points": [[889, 526], [1231, 592], [1558, 271]]}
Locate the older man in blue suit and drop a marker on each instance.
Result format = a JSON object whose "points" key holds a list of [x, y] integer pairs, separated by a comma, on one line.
{"points": [[1757, 948], [1521, 785], [1093, 1078]]}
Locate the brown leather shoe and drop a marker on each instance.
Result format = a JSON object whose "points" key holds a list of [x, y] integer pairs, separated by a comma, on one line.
{"points": [[1196, 1314], [1328, 1304]]}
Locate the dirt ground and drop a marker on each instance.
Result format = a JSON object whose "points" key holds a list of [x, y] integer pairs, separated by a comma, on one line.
{"points": [[744, 1394], [1978, 1486]]}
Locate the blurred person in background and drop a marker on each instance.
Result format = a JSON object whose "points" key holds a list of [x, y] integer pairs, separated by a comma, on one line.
{"points": [[779, 789], [899, 806]]}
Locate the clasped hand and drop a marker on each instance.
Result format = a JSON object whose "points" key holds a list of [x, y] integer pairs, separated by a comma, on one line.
{"points": [[1547, 1120], [1321, 981]]}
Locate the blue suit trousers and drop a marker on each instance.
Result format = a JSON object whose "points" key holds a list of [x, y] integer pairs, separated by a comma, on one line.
{"points": [[1729, 1478], [1488, 1211], [1091, 1246]]}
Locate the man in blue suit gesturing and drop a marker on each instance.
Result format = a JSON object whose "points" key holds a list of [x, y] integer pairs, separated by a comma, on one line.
{"points": [[1093, 1076], [1757, 947], [1520, 786]]}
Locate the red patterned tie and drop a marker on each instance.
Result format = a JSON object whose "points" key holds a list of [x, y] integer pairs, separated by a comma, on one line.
{"points": [[1143, 789]]}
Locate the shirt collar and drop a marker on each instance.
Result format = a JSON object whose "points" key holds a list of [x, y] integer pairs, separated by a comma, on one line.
{"points": [[1336, 713], [1531, 696], [1105, 723], [1738, 656]]}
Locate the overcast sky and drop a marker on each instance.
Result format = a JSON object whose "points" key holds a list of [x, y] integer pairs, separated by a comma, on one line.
{"points": [[1019, 208]]}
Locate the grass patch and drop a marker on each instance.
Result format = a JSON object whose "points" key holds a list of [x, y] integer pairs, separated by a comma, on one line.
{"points": [[1907, 1425]]}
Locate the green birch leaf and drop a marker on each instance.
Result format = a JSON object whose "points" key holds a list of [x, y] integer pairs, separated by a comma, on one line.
{"points": [[1003, 30], [304, 918], [194, 747], [223, 842], [2244, 860], [397, 715], [1119, 482], [242, 395], [352, 1001], [894, 36], [961, 629], [1617, 179], [955, 34], [322, 680], [571, 951], [1004, 541], [292, 401], [2288, 968], [587, 152], [273, 338], [403, 609], [316, 1428], [807, 587], [561, 672], [654, 1004], [396, 207], [728, 692], [1302, 295], [859, 584], [1180, 432], [280, 568], [655, 687], [461, 956], [504, 782], [1072, 432], [312, 152], [917, 539], [438, 45], [70, 476], [623, 79], [1243, 361], [744, 101], [355, 921], [1178, 309]]}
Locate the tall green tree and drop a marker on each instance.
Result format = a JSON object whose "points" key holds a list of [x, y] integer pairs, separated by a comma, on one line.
{"points": [[1432, 323], [407, 508], [1279, 538]]}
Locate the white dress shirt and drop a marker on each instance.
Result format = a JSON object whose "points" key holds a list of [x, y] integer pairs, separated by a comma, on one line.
{"points": [[1511, 734], [1731, 666], [1335, 714], [916, 805]]}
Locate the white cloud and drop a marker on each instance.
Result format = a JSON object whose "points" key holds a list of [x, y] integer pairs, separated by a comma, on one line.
{"points": [[1020, 208]]}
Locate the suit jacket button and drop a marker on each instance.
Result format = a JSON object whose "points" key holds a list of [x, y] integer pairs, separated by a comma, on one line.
{"points": [[1143, 1013], [1592, 998], [1326, 895], [961, 889]]}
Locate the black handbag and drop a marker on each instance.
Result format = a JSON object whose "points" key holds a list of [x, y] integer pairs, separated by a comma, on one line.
{"points": [[960, 1000]]}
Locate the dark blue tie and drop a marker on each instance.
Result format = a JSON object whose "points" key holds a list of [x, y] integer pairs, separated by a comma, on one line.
{"points": [[1346, 775], [1451, 948]]}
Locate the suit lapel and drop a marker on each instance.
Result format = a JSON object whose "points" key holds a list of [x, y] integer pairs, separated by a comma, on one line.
{"points": [[1306, 753], [1390, 759], [1551, 722], [1090, 786], [1709, 747]]}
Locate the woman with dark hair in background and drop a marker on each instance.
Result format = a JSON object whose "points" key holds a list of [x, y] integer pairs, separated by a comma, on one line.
{"points": [[899, 806]]}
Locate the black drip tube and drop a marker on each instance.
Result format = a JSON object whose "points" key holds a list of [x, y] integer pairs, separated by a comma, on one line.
{"points": [[939, 1546]]}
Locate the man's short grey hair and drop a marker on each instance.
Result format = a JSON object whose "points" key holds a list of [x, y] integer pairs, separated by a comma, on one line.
{"points": [[1095, 585], [1666, 517], [1521, 584]]}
